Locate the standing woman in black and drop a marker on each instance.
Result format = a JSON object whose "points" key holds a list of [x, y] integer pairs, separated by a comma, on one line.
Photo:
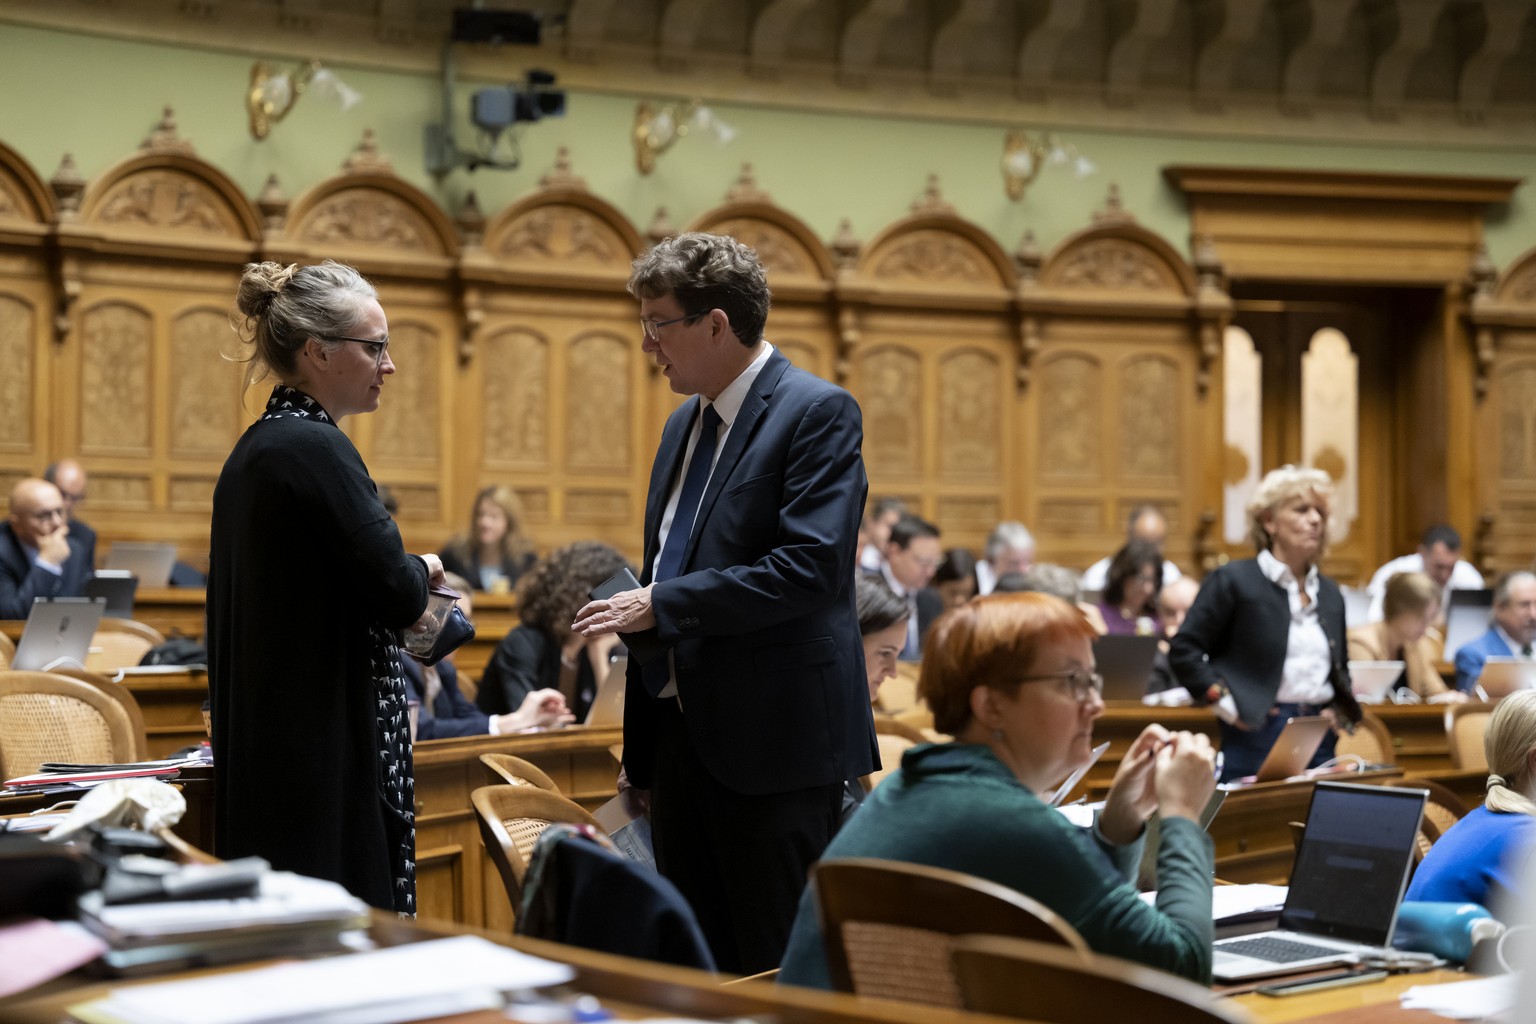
{"points": [[1264, 641], [308, 588]]}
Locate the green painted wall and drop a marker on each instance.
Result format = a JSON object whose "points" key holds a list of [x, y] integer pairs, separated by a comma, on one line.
{"points": [[97, 98]]}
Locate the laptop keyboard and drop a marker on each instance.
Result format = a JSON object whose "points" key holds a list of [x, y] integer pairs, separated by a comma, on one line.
{"points": [[1276, 951]]}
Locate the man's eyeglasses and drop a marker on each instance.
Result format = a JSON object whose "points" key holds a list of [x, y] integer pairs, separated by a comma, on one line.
{"points": [[652, 328], [378, 348], [47, 515], [1085, 685]]}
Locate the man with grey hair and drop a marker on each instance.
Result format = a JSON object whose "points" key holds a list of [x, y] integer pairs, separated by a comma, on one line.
{"points": [[1010, 548], [747, 705], [1510, 634]]}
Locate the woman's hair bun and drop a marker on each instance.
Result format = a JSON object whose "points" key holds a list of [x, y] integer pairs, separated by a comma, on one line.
{"points": [[261, 284]]}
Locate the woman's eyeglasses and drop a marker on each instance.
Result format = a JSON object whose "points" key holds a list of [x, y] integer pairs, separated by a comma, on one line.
{"points": [[1085, 685], [378, 348]]}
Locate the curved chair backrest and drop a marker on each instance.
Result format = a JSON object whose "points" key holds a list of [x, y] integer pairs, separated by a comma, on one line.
{"points": [[49, 716], [1048, 985], [506, 770], [121, 643], [1465, 725], [888, 926], [1371, 741], [7, 651], [1442, 810], [511, 820]]}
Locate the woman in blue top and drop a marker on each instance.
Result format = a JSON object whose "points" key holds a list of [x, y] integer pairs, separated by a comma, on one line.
{"points": [[1011, 677], [1483, 857]]}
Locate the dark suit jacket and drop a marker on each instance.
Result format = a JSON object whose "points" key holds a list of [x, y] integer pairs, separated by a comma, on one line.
{"points": [[1241, 621], [87, 537], [1471, 656], [452, 713], [761, 623], [21, 582]]}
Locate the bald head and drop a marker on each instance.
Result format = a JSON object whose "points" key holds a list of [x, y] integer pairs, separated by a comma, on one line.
{"points": [[36, 510], [1149, 525], [69, 477], [1173, 603]]}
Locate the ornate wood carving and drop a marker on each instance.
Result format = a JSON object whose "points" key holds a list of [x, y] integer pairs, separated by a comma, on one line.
{"points": [[363, 216], [18, 323], [969, 514], [891, 393], [205, 388], [10, 202], [116, 363], [516, 399], [126, 491], [597, 507], [1149, 418], [1517, 409], [1112, 264], [408, 420], [597, 403], [780, 252], [167, 200], [932, 255], [192, 494], [1070, 392], [562, 233], [801, 353], [417, 501], [535, 503], [970, 414], [1069, 517]]}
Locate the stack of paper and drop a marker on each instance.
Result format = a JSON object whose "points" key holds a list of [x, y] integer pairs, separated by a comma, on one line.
{"points": [[405, 983], [84, 775]]}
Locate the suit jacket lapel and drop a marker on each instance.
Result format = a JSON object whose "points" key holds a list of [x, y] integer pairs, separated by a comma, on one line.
{"points": [[669, 458], [752, 409]]}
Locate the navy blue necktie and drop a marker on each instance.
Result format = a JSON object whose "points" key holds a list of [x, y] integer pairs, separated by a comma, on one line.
{"points": [[654, 674]]}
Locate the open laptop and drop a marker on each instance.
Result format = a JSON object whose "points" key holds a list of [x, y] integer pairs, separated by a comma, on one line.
{"points": [[58, 632], [1293, 748], [1503, 675], [1348, 879], [607, 708], [151, 563], [1125, 662], [1466, 619], [116, 587], [1372, 679]]}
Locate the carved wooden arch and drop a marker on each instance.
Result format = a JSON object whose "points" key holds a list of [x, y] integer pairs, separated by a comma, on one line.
{"points": [[562, 229], [1499, 303], [372, 211], [170, 192], [937, 254], [790, 251], [1118, 255], [25, 200]]}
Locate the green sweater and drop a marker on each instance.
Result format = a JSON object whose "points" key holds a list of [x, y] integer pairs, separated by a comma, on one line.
{"points": [[956, 806]]}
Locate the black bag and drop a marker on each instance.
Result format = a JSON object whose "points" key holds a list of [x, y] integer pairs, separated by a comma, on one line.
{"points": [[178, 650]]}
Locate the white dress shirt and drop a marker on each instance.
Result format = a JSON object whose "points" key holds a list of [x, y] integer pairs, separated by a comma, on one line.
{"points": [[1463, 577], [1304, 679]]}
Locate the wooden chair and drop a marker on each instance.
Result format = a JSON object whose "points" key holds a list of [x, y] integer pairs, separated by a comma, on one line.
{"points": [[1048, 985], [507, 770], [888, 927], [49, 716], [1371, 741], [1442, 810], [511, 820], [1464, 728], [7, 650], [894, 738], [120, 643]]}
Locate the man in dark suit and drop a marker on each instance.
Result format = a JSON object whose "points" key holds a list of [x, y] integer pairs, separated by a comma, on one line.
{"points": [[747, 705], [69, 477], [38, 557], [912, 555], [1510, 634]]}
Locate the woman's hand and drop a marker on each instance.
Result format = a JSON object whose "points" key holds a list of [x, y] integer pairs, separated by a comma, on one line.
{"points": [[1185, 775], [541, 709], [434, 570], [1133, 794]]}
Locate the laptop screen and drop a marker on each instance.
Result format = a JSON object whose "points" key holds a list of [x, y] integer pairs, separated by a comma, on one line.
{"points": [[1353, 863]]}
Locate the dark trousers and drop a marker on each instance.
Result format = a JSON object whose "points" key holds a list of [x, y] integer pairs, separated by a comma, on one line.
{"points": [[1243, 751], [741, 861]]}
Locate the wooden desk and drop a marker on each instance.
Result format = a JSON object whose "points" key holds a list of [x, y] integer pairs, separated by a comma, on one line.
{"points": [[172, 705], [1371, 1003], [196, 785]]}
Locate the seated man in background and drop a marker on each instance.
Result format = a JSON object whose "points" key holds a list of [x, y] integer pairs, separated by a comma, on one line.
{"points": [[38, 557], [69, 477], [875, 530], [1510, 634], [443, 710], [1173, 603], [912, 556], [1010, 548], [1439, 558], [1145, 523]]}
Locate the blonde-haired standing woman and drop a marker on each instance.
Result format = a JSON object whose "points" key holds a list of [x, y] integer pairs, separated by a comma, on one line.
{"points": [[308, 588], [1264, 641], [1482, 859]]}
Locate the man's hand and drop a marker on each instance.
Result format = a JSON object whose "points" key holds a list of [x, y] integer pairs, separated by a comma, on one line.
{"points": [[628, 611], [53, 548]]}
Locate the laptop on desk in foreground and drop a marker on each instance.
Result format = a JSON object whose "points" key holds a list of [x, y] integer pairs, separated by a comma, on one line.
{"points": [[1350, 873], [58, 632]]}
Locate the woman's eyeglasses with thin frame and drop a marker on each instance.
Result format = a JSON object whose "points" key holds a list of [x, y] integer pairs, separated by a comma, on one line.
{"points": [[1085, 685], [377, 346]]}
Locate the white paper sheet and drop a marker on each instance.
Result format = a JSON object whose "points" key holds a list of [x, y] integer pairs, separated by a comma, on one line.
{"points": [[1465, 1000]]}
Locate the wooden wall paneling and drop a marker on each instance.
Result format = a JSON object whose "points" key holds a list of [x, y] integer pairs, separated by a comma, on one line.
{"points": [[397, 236], [27, 212], [1123, 393], [932, 297], [1504, 320], [143, 393], [567, 400]]}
